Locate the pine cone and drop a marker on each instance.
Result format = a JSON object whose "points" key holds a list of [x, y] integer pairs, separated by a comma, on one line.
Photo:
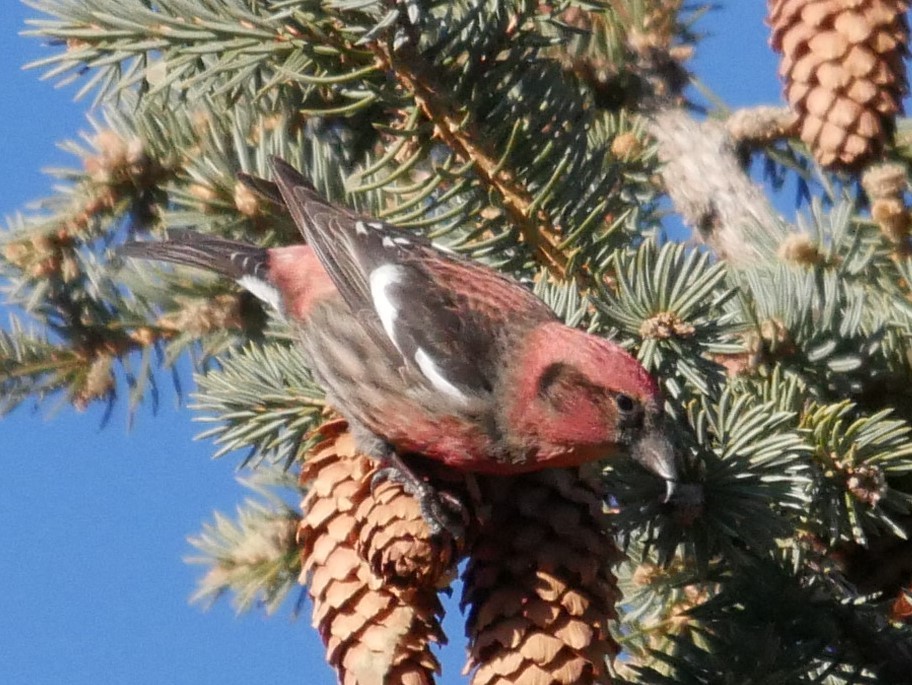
{"points": [[842, 63], [375, 632], [539, 582], [396, 543]]}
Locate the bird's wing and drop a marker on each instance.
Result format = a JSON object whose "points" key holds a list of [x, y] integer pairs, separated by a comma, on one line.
{"points": [[261, 188], [398, 285]]}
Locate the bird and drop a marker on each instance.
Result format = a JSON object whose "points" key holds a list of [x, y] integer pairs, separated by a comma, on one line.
{"points": [[426, 352]]}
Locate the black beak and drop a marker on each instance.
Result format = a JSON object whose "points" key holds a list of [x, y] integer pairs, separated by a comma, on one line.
{"points": [[654, 452]]}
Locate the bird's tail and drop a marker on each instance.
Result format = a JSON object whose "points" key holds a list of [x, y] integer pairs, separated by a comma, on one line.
{"points": [[231, 258]]}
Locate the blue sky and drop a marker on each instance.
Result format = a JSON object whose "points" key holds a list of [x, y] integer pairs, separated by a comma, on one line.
{"points": [[93, 522]]}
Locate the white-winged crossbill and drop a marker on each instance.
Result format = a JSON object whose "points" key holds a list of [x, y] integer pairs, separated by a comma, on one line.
{"points": [[426, 352]]}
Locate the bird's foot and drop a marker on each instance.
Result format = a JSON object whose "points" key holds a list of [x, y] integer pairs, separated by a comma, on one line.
{"points": [[442, 511]]}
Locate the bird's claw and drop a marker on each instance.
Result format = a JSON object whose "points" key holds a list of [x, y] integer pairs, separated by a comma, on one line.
{"points": [[443, 511]]}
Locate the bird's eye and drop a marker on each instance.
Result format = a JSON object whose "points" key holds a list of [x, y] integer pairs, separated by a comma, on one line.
{"points": [[625, 403]]}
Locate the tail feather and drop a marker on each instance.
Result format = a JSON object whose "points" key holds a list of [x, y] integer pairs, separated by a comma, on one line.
{"points": [[231, 258]]}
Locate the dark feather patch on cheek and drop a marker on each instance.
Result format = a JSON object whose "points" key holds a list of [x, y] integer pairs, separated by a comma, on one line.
{"points": [[549, 377], [561, 386]]}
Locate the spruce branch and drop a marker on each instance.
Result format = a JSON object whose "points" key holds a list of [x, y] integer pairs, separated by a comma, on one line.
{"points": [[760, 126], [254, 556], [711, 190], [839, 319], [459, 133], [236, 49], [263, 399], [863, 464], [515, 133], [750, 469], [832, 642], [672, 302], [656, 609]]}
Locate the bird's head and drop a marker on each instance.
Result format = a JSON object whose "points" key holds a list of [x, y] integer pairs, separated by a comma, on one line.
{"points": [[587, 395]]}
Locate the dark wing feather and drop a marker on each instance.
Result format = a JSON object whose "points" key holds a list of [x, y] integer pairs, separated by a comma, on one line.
{"points": [[262, 188], [432, 322], [431, 325], [330, 231]]}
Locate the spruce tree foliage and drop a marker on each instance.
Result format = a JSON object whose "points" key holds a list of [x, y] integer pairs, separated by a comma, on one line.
{"points": [[530, 137]]}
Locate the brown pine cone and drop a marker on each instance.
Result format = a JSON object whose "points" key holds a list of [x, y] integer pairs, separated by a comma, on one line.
{"points": [[375, 633], [539, 582], [842, 63], [396, 543]]}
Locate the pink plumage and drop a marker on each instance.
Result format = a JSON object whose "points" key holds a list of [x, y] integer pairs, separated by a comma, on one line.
{"points": [[430, 353]]}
